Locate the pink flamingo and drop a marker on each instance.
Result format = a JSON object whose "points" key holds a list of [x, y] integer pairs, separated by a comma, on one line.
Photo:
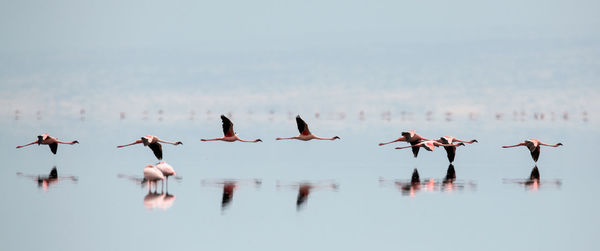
{"points": [[430, 145], [166, 169], [52, 142], [152, 174], [154, 143], [411, 137], [534, 147], [230, 135], [305, 134], [451, 150]]}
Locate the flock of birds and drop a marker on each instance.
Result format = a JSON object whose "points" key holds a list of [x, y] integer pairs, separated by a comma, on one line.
{"points": [[162, 171]]}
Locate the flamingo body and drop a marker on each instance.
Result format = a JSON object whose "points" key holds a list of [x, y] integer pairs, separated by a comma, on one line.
{"points": [[305, 134], [52, 142]]}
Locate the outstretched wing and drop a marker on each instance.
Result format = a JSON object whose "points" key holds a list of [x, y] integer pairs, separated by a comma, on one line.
{"points": [[535, 154], [302, 126], [53, 147], [157, 149], [451, 152], [227, 126], [415, 149]]}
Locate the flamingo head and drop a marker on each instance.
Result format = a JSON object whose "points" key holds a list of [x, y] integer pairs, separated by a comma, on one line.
{"points": [[461, 144], [178, 143], [75, 142], [559, 144], [336, 137], [257, 140], [473, 141]]}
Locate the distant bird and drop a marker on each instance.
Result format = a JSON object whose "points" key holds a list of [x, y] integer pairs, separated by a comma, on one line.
{"points": [[534, 147], [154, 143], [451, 150], [411, 137], [305, 134], [52, 142], [166, 169], [152, 174], [229, 134], [429, 145]]}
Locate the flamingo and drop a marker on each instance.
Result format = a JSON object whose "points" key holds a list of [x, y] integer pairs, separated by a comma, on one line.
{"points": [[305, 134], [154, 143], [229, 134], [166, 169], [152, 174], [52, 142], [451, 150], [430, 145], [534, 147], [411, 137]]}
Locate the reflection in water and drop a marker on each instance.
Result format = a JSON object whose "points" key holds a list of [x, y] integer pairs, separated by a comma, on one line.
{"points": [[448, 184], [155, 200], [304, 189], [44, 181], [533, 182], [229, 186]]}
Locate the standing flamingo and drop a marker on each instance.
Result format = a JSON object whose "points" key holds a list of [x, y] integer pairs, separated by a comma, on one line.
{"points": [[305, 134], [152, 174], [534, 147], [166, 169], [52, 142], [451, 150], [230, 135], [153, 143], [430, 145], [411, 137]]}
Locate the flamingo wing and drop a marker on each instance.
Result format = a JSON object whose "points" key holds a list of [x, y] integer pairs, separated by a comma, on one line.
{"points": [[227, 126], [53, 173], [535, 153], [53, 147], [415, 149], [451, 152], [157, 149], [302, 126]]}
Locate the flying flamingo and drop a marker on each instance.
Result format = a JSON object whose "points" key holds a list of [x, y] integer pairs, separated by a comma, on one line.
{"points": [[230, 135], [451, 150], [411, 137], [305, 134], [154, 143], [152, 174], [430, 145], [534, 147], [52, 142]]}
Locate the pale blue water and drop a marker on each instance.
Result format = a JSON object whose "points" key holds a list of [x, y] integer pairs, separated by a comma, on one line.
{"points": [[101, 211], [108, 73]]}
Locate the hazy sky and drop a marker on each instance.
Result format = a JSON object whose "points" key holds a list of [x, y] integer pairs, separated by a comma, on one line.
{"points": [[265, 25]]}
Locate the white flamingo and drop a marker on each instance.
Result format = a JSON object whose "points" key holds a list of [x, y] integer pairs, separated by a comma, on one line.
{"points": [[534, 147], [153, 143], [305, 134], [229, 134], [411, 137], [52, 142]]}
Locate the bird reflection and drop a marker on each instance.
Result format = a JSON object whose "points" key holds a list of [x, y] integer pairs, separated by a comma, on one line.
{"points": [[448, 184], [163, 201], [533, 182], [304, 189], [229, 186], [44, 181]]}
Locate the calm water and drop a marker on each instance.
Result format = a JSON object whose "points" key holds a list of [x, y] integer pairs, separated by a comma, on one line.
{"points": [[102, 210]]}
